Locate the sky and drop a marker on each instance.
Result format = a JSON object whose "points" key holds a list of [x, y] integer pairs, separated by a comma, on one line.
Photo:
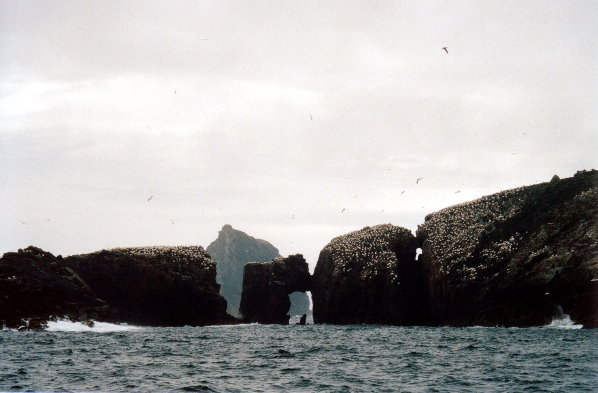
{"points": [[135, 123]]}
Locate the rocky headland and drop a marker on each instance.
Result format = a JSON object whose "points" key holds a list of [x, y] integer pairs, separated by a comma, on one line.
{"points": [[370, 276], [36, 286], [155, 286], [515, 258], [267, 286]]}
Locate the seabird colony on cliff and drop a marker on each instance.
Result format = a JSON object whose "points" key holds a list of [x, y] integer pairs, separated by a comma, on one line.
{"points": [[195, 254], [453, 233], [366, 252]]}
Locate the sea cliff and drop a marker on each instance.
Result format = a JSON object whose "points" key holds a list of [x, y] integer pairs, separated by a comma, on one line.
{"points": [[515, 258], [36, 286], [155, 286]]}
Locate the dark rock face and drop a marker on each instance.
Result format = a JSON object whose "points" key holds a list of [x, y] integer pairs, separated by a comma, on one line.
{"points": [[231, 251], [516, 257], [370, 276], [155, 286], [36, 286], [267, 286]]}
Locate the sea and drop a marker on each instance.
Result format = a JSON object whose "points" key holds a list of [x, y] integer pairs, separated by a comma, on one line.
{"points": [[68, 356]]}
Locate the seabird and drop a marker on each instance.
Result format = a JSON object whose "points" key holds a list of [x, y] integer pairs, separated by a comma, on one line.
{"points": [[402, 191], [312, 119], [445, 49], [417, 181], [456, 192], [148, 199], [342, 211]]}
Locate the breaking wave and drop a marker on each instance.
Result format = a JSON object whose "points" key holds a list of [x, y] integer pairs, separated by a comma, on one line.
{"points": [[563, 321], [98, 327]]}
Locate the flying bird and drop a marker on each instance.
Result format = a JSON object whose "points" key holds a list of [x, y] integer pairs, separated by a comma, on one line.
{"points": [[445, 49], [417, 181], [312, 119], [342, 211], [456, 192], [24, 223], [172, 222], [148, 199], [402, 191]]}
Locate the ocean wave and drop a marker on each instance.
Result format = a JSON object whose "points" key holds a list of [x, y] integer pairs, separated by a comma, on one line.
{"points": [[98, 327], [563, 322]]}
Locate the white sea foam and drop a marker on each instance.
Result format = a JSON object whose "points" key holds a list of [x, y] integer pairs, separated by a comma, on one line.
{"points": [[98, 327], [563, 322]]}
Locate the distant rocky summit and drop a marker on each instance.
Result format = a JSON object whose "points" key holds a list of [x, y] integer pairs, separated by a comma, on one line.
{"points": [[155, 286], [267, 286], [36, 286], [517, 257], [231, 251], [370, 276]]}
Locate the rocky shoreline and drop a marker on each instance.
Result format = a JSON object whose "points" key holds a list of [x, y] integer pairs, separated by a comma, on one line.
{"points": [[516, 258]]}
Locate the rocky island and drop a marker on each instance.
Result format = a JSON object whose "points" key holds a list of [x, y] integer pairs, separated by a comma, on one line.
{"points": [[155, 286], [515, 258], [267, 286], [370, 276], [36, 286], [231, 251]]}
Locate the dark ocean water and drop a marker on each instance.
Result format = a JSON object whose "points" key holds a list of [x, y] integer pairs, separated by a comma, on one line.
{"points": [[312, 358]]}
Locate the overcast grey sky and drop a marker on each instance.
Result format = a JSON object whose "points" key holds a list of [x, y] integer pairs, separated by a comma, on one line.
{"points": [[275, 116]]}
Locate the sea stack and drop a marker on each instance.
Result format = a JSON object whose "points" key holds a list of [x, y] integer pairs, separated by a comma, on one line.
{"points": [[370, 276], [231, 251], [267, 286]]}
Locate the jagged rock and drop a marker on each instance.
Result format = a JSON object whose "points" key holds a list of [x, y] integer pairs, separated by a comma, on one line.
{"points": [[36, 286], [155, 286], [513, 258], [231, 251], [267, 286], [370, 276]]}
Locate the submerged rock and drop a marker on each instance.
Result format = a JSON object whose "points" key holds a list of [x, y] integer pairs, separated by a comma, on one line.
{"points": [[515, 257], [36, 286], [370, 276], [267, 286], [156, 286]]}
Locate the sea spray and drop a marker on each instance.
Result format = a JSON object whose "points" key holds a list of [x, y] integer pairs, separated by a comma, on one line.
{"points": [[63, 325], [562, 321]]}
